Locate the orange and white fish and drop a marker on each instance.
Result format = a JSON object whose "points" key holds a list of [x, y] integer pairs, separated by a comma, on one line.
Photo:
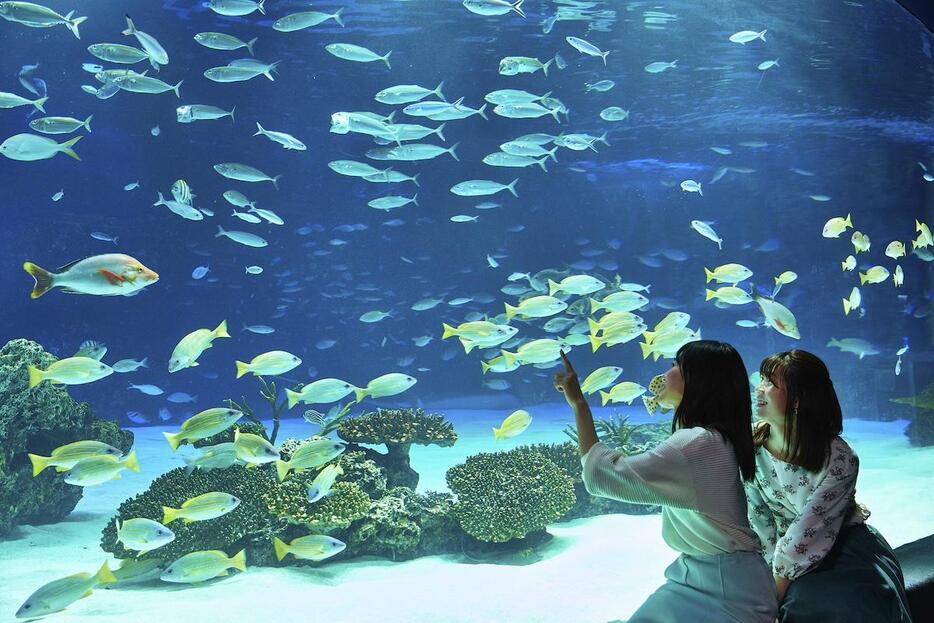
{"points": [[111, 274]]}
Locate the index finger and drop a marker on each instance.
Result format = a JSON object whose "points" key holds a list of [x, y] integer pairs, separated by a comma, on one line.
{"points": [[567, 364]]}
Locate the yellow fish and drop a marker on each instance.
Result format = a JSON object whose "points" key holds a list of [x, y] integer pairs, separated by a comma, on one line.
{"points": [[65, 457], [190, 347], [200, 508], [70, 371], [111, 274], [59, 594], [513, 425]]}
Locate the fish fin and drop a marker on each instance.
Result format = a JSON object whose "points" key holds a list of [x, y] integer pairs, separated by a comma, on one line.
{"points": [[131, 463], [242, 368], [359, 393], [259, 129], [281, 548], [130, 28], [73, 25], [39, 103], [546, 66], [39, 463], [439, 129], [44, 279], [249, 45], [496, 433], [221, 330], [385, 59], [232, 114], [453, 153], [87, 126], [511, 187], [175, 88], [66, 147], [282, 470], [438, 92], [260, 6], [482, 113], [337, 17], [517, 7], [111, 277], [174, 440], [275, 181]]}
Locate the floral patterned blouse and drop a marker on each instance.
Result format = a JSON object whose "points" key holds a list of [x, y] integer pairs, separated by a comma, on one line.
{"points": [[798, 514]]}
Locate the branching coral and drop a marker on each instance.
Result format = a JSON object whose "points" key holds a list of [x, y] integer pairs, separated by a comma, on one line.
{"points": [[288, 503]]}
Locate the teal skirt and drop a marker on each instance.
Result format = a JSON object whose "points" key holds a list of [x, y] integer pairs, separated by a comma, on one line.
{"points": [[859, 581], [724, 588]]}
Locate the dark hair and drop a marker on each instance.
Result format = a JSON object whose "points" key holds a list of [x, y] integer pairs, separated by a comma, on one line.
{"points": [[812, 414], [716, 396]]}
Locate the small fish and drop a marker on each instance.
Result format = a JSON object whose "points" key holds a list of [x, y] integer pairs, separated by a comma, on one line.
{"points": [[705, 230], [315, 547], [513, 425], [142, 535], [65, 457], [130, 365], [259, 329], [207, 564], [100, 469], [271, 363], [155, 130], [31, 147], [92, 349], [189, 348], [660, 66], [59, 594], [199, 272], [181, 398], [356, 53], [70, 371], [131, 186], [57, 196], [323, 482], [149, 390], [690, 186], [105, 275], [386, 385], [585, 47], [201, 508], [836, 226], [745, 36], [204, 424]]}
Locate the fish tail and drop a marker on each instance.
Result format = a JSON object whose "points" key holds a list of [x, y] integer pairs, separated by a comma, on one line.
{"points": [[220, 230], [66, 147], [130, 28], [510, 311], [239, 559], [553, 287], [497, 433], [546, 66], [39, 463], [87, 123], [846, 307], [552, 153], [221, 330], [482, 112], [415, 196], [39, 103], [259, 5], [359, 393], [517, 7], [36, 376], [485, 367], [169, 514], [604, 398], [44, 280], [849, 222], [438, 92], [511, 187], [281, 548], [144, 363], [232, 114], [174, 439], [646, 350], [415, 179], [604, 55], [541, 163], [509, 358], [275, 181], [709, 274], [337, 17], [105, 576], [438, 131], [282, 469], [709, 294], [242, 368], [175, 88], [189, 465], [762, 34], [451, 331], [595, 342], [249, 45], [73, 25], [131, 463], [595, 306], [453, 153], [385, 59], [293, 397]]}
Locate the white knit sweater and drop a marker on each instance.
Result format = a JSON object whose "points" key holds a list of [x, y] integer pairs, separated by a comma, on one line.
{"points": [[693, 475]]}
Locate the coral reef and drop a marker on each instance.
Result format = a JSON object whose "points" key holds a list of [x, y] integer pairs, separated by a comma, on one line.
{"points": [[507, 495], [38, 420], [404, 524], [270, 394], [567, 457], [248, 525], [287, 502], [398, 429]]}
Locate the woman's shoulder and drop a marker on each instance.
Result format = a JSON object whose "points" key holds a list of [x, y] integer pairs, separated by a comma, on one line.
{"points": [[697, 437], [842, 456]]}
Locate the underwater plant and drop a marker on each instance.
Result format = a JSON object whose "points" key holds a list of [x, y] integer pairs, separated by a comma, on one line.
{"points": [[37, 421], [270, 394], [508, 495], [397, 429], [330, 421]]}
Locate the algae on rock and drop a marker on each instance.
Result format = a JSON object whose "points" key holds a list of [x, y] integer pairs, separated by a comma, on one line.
{"points": [[37, 421]]}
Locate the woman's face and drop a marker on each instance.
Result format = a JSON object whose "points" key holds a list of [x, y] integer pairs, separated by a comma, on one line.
{"points": [[674, 387], [771, 401]]}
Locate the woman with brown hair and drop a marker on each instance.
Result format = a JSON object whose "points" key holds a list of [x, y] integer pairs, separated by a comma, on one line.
{"points": [[695, 476], [828, 565]]}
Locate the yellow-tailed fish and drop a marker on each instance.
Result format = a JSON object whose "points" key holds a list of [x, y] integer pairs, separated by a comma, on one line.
{"points": [[310, 454], [204, 424], [513, 425], [190, 347], [253, 449], [59, 594], [273, 363], [203, 565], [142, 535], [312, 547], [321, 485], [111, 274], [386, 385], [100, 469], [64, 457], [70, 371], [201, 508]]}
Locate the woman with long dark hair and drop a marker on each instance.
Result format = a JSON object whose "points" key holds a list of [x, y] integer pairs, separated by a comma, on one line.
{"points": [[695, 476], [828, 565]]}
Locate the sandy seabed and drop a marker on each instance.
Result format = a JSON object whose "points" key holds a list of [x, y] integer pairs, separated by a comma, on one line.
{"points": [[595, 570]]}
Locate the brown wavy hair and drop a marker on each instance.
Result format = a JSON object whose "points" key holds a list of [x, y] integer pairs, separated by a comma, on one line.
{"points": [[812, 414]]}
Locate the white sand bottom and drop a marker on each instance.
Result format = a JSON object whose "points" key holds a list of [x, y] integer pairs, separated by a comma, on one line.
{"points": [[596, 569]]}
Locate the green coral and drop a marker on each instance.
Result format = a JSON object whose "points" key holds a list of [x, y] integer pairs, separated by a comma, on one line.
{"points": [[227, 435], [247, 524], [507, 495], [288, 503]]}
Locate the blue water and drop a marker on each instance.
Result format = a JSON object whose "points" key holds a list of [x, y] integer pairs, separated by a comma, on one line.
{"points": [[850, 103]]}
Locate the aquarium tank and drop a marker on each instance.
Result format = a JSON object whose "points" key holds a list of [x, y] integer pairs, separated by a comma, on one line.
{"points": [[285, 287]]}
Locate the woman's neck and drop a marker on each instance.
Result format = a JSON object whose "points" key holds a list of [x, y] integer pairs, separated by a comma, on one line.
{"points": [[776, 441]]}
